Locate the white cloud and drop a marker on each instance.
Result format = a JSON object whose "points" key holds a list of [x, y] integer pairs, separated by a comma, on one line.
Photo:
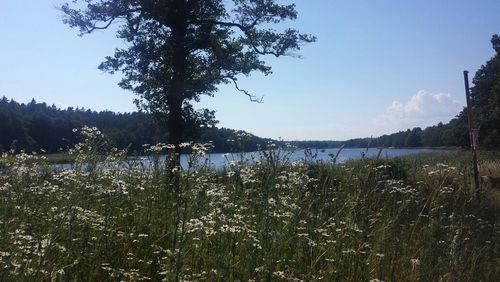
{"points": [[421, 110]]}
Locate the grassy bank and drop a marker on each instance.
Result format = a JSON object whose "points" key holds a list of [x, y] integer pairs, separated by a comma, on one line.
{"points": [[402, 219]]}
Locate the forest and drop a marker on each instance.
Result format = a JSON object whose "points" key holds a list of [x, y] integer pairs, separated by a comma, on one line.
{"points": [[37, 127]]}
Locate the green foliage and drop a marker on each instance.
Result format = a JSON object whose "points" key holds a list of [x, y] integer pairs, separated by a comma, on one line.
{"points": [[38, 127], [47, 129], [486, 99], [405, 219]]}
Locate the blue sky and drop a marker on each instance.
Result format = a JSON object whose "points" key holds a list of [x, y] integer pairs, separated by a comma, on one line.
{"points": [[378, 66]]}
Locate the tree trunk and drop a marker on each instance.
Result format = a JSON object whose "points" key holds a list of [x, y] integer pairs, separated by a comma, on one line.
{"points": [[175, 132], [176, 94]]}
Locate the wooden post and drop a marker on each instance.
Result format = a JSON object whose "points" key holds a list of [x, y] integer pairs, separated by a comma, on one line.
{"points": [[472, 135]]}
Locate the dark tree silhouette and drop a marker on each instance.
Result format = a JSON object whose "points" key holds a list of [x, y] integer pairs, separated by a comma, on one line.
{"points": [[178, 50], [36, 127], [486, 98]]}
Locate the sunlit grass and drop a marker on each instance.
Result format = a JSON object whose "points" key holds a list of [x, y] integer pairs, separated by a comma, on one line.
{"points": [[109, 218]]}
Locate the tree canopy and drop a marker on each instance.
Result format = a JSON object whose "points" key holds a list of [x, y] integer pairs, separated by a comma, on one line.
{"points": [[178, 50], [486, 99]]}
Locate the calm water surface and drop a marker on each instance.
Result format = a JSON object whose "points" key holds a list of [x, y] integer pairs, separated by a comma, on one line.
{"points": [[219, 160]]}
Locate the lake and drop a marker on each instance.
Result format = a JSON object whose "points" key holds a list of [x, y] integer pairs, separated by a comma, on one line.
{"points": [[218, 160]]}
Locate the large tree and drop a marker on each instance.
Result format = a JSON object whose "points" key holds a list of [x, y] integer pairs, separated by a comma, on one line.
{"points": [[486, 98], [177, 50]]}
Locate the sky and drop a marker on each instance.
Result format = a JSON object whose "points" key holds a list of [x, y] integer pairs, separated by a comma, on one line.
{"points": [[378, 66]]}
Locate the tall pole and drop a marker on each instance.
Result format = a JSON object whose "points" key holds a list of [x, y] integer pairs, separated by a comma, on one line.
{"points": [[472, 135]]}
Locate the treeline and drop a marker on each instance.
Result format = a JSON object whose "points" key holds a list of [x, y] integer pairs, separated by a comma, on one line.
{"points": [[37, 127], [452, 134]]}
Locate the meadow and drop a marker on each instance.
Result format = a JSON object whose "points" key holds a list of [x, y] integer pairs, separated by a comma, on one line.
{"points": [[110, 218]]}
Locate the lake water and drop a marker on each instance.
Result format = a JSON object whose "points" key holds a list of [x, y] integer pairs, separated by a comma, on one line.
{"points": [[219, 160]]}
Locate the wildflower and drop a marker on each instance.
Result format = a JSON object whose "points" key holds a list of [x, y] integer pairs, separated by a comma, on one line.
{"points": [[271, 201], [279, 274], [311, 243], [259, 269], [414, 264], [224, 228], [184, 144]]}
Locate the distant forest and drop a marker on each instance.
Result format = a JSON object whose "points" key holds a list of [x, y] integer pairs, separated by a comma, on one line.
{"points": [[42, 128], [452, 134]]}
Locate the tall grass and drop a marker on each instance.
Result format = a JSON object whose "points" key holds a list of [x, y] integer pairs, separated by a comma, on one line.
{"points": [[111, 218]]}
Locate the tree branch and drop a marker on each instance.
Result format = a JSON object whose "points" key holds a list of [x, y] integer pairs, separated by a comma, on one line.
{"points": [[95, 27], [253, 98], [108, 21], [244, 29]]}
